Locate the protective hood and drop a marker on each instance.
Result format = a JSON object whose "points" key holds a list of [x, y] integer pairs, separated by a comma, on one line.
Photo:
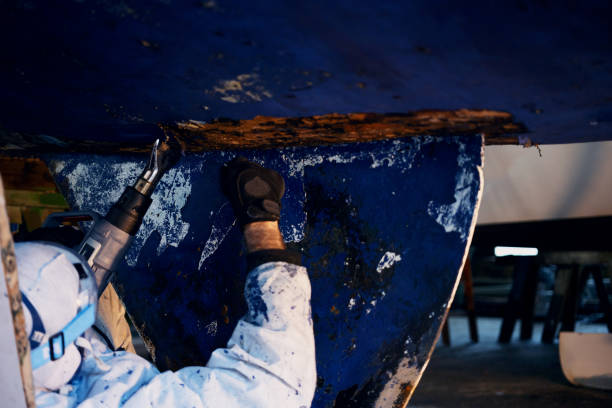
{"points": [[57, 287]]}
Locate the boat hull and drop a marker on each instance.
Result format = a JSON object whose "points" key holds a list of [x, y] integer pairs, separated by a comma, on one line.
{"points": [[383, 228]]}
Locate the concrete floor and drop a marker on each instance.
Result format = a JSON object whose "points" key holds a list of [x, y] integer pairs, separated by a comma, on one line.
{"points": [[487, 374]]}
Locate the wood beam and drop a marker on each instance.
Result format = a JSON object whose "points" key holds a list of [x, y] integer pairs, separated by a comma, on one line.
{"points": [[26, 174], [13, 294], [263, 132]]}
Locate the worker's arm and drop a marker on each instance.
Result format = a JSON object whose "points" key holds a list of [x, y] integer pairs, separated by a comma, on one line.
{"points": [[270, 359], [271, 352]]}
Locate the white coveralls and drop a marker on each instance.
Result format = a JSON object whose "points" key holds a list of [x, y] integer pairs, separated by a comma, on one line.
{"points": [[269, 360]]}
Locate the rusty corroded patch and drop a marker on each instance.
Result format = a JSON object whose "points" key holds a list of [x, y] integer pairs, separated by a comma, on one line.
{"points": [[265, 132], [334, 128]]}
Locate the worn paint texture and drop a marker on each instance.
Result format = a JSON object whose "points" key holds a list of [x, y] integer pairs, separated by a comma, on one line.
{"points": [[383, 227], [110, 70]]}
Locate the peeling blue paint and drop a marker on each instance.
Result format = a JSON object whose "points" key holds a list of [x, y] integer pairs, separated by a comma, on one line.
{"points": [[382, 261]]}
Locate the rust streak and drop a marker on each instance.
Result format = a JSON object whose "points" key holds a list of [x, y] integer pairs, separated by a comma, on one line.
{"points": [[269, 132]]}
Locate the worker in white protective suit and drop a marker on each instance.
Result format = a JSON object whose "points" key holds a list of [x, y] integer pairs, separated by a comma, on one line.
{"points": [[269, 361]]}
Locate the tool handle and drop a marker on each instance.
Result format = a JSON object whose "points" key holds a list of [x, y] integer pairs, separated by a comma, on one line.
{"points": [[127, 213], [103, 248]]}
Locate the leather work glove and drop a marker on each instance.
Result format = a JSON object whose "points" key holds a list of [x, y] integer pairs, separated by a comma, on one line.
{"points": [[254, 191]]}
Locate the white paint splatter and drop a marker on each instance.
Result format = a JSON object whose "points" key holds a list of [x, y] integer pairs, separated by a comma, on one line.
{"points": [[339, 159], [165, 213], [398, 153], [217, 235], [297, 164], [407, 373], [390, 158], [351, 303], [85, 180], [97, 186], [243, 88], [379, 162], [294, 233], [387, 260], [462, 208]]}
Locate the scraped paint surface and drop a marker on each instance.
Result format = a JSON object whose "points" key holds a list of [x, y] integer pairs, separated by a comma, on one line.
{"points": [[96, 185], [383, 228], [455, 216]]}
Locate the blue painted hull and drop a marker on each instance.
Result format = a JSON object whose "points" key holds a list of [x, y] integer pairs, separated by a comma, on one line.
{"points": [[383, 228], [111, 70]]}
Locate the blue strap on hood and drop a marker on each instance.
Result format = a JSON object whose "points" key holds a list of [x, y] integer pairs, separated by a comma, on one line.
{"points": [[56, 346]]}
